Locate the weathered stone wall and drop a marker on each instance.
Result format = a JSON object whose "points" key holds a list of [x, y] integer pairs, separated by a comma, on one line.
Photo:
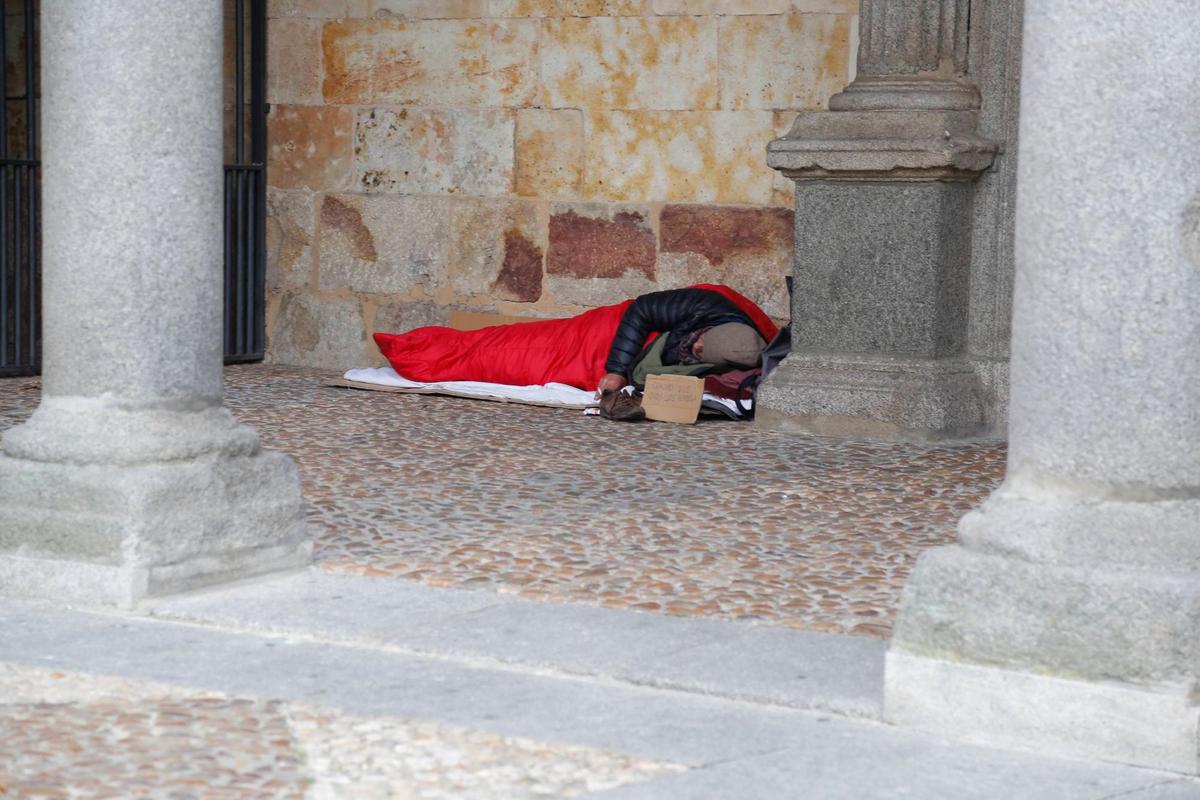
{"points": [[528, 157]]}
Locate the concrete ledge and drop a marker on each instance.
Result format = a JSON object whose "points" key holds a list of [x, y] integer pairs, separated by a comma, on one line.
{"points": [[1147, 727]]}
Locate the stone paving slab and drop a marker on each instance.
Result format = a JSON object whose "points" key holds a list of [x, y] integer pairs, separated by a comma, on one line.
{"points": [[844, 768], [731, 748], [69, 734], [1178, 789], [798, 669]]}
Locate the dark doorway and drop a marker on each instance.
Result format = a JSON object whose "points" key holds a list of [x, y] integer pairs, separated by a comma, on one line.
{"points": [[245, 180], [20, 229]]}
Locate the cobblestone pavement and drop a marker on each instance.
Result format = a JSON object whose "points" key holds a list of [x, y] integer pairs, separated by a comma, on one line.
{"points": [[73, 735], [714, 520]]}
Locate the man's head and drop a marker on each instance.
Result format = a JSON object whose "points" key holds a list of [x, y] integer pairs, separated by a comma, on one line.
{"points": [[731, 344]]}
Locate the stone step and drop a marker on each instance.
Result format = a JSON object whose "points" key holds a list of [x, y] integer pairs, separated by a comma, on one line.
{"points": [[722, 747], [740, 661]]}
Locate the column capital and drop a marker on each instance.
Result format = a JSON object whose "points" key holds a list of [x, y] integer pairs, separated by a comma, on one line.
{"points": [[912, 55], [907, 92], [910, 115], [890, 146]]}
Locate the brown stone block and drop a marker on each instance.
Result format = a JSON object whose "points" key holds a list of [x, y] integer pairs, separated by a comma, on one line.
{"points": [[317, 9], [520, 276], [382, 244], [433, 62], [684, 156], [313, 331], [291, 223], [467, 151], [294, 61], [497, 249], [431, 9], [630, 63], [567, 8], [549, 152], [783, 188], [310, 147], [793, 62], [692, 7], [732, 7], [599, 253], [721, 232], [349, 52], [825, 6], [399, 317], [749, 249]]}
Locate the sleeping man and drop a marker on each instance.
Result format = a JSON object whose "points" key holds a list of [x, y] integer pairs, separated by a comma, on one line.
{"points": [[703, 328]]}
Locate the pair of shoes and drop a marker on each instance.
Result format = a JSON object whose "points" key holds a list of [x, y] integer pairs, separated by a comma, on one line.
{"points": [[621, 407]]}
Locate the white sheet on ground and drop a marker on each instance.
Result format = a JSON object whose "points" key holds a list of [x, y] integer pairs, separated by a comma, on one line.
{"points": [[553, 394]]}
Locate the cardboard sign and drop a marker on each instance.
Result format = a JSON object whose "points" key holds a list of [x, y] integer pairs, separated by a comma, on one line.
{"points": [[673, 398]]}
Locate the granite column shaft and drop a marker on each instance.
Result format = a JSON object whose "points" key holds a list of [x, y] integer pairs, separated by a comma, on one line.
{"points": [[131, 478], [1068, 616]]}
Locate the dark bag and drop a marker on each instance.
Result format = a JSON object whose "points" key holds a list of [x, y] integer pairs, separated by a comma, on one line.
{"points": [[776, 351]]}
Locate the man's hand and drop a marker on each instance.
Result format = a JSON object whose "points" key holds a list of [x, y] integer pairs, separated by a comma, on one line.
{"points": [[611, 381]]}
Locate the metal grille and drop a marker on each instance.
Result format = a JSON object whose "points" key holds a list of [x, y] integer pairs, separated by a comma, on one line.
{"points": [[20, 228], [245, 188]]}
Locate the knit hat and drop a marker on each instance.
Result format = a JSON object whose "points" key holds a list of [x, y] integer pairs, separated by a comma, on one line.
{"points": [[733, 343]]}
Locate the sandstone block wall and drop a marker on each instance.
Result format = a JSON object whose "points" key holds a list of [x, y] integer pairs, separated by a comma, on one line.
{"points": [[528, 157]]}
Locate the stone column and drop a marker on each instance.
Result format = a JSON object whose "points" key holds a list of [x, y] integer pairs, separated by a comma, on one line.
{"points": [[131, 478], [1068, 616], [883, 217]]}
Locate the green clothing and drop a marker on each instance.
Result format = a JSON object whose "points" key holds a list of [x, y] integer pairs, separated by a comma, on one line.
{"points": [[650, 363]]}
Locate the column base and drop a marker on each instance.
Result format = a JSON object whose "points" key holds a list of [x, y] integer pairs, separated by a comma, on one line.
{"points": [[1111, 721], [906, 93], [112, 535], [1065, 621], [858, 396]]}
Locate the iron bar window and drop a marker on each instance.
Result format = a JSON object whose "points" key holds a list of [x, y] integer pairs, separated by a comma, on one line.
{"points": [[20, 228], [246, 185]]}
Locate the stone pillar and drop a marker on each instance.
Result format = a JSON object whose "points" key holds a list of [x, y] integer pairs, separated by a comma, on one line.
{"points": [[884, 203], [995, 66], [1067, 618], [131, 478]]}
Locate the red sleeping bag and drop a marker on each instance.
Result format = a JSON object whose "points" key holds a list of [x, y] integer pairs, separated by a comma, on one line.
{"points": [[570, 351]]}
